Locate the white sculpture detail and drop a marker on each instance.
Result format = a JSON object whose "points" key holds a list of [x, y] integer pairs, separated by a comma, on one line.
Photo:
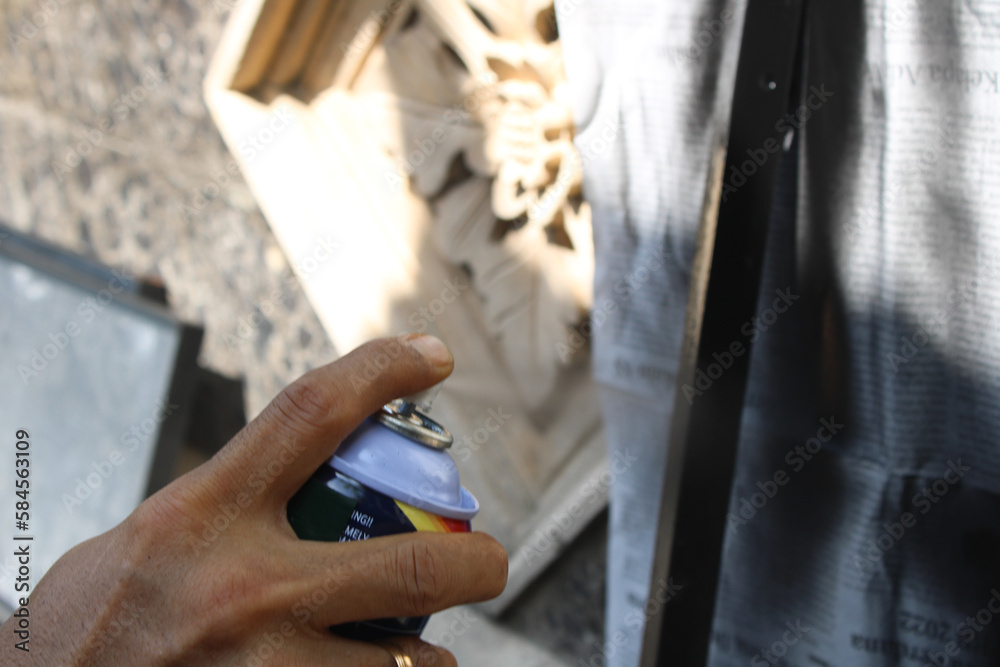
{"points": [[513, 215]]}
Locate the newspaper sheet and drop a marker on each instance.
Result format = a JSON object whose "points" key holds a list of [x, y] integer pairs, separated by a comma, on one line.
{"points": [[865, 519]]}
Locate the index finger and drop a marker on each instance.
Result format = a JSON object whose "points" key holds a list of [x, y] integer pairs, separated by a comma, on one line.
{"points": [[305, 423]]}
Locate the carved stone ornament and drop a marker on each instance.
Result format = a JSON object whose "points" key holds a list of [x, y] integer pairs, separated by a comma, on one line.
{"points": [[415, 161]]}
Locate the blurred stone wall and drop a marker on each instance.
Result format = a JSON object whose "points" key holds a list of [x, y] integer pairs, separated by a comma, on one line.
{"points": [[105, 138]]}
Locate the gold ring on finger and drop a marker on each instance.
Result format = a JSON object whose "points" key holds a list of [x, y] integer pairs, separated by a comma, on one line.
{"points": [[402, 660]]}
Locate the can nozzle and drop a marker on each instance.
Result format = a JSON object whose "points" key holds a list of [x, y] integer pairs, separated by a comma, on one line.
{"points": [[421, 400], [408, 417]]}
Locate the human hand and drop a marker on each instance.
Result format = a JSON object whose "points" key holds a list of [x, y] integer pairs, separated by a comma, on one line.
{"points": [[208, 571]]}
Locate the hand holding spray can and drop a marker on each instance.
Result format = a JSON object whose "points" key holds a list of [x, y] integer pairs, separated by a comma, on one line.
{"points": [[392, 475]]}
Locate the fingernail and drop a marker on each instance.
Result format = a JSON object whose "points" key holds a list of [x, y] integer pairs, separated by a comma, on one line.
{"points": [[432, 349]]}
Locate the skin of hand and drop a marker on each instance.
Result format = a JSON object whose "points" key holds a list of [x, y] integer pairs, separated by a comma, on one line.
{"points": [[208, 571]]}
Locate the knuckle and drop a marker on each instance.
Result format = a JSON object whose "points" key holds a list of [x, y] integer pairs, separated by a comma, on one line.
{"points": [[141, 535], [230, 597], [173, 510], [419, 576], [145, 523], [304, 403], [225, 611]]}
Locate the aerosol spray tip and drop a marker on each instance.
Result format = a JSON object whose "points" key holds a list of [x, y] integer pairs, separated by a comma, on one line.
{"points": [[408, 416], [422, 400]]}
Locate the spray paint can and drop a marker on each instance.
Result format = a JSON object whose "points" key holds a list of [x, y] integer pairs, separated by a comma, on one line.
{"points": [[391, 475]]}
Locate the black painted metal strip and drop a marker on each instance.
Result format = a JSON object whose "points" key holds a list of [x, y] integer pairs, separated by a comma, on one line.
{"points": [[705, 429]]}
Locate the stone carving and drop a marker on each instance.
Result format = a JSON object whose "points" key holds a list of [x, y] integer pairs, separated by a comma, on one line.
{"points": [[496, 159], [432, 142]]}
